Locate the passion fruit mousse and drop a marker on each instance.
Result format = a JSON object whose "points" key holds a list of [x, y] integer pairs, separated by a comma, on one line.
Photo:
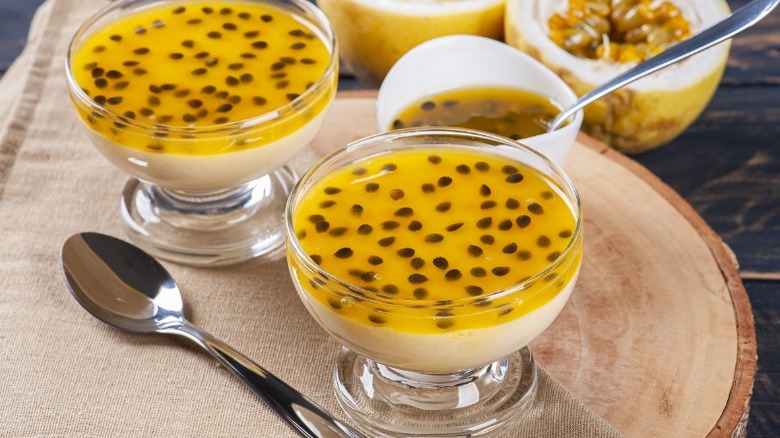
{"points": [[206, 95], [435, 260]]}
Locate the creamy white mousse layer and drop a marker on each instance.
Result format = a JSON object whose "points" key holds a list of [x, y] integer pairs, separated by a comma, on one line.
{"points": [[448, 352], [208, 172]]}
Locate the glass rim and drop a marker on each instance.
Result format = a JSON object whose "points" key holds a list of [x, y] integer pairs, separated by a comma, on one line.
{"points": [[303, 99], [371, 296]]}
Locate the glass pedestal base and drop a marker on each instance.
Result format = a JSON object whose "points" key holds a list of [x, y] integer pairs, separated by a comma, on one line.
{"points": [[385, 401], [209, 228]]}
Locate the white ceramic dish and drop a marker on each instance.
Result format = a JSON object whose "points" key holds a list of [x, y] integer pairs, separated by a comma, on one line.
{"points": [[462, 61]]}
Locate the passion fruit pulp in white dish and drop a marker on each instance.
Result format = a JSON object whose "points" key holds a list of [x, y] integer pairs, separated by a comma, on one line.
{"points": [[460, 62], [651, 111]]}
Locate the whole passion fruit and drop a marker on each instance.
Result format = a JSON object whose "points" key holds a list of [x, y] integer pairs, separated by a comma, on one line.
{"points": [[588, 42], [374, 34]]}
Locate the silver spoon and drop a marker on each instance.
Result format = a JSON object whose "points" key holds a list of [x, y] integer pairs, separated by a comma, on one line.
{"points": [[125, 287], [735, 23]]}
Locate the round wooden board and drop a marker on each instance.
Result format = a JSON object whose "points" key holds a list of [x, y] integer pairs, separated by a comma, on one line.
{"points": [[658, 337]]}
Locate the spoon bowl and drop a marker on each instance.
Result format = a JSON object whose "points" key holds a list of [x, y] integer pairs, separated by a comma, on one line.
{"points": [[125, 287], [120, 284]]}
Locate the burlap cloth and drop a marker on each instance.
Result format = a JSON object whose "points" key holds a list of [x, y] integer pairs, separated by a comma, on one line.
{"points": [[66, 374]]}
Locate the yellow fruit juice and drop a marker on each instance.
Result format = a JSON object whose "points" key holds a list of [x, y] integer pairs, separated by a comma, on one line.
{"points": [[428, 236], [509, 112], [192, 65]]}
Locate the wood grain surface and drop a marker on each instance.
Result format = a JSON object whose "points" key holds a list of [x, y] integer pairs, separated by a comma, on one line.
{"points": [[726, 165]]}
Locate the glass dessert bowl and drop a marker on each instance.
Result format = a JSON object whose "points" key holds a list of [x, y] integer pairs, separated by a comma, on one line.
{"points": [[203, 103], [435, 256]]}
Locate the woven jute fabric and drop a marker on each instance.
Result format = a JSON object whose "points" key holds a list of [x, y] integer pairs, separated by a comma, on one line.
{"points": [[64, 373]]}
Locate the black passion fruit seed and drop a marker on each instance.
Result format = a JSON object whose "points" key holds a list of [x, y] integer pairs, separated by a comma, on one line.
{"points": [[332, 190], [505, 311], [500, 271], [334, 303], [404, 212], [344, 253], [443, 207], [389, 225], [434, 238], [523, 221], [514, 178], [390, 289], [454, 227], [406, 252], [453, 275], [415, 226], [375, 260], [338, 231], [474, 250], [441, 263], [376, 319], [417, 278], [445, 323], [474, 290]]}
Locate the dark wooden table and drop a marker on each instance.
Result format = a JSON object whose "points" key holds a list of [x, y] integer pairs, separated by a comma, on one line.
{"points": [[727, 165]]}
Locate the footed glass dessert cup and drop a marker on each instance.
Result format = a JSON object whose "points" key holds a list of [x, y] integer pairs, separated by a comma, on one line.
{"points": [[203, 104], [434, 256]]}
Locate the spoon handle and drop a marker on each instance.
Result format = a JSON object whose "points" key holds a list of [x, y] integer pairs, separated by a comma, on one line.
{"points": [[735, 23], [308, 419]]}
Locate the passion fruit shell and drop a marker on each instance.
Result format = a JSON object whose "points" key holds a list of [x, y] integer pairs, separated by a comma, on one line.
{"points": [[645, 114]]}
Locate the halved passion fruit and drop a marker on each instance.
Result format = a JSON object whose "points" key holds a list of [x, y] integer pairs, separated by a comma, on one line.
{"points": [[588, 42]]}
